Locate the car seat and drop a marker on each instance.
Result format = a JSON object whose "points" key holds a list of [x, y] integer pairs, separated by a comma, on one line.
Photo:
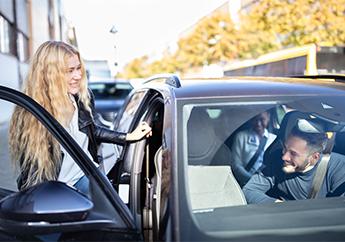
{"points": [[204, 146], [213, 187]]}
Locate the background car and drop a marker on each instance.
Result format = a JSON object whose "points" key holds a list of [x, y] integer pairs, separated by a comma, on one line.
{"points": [[178, 185], [109, 97]]}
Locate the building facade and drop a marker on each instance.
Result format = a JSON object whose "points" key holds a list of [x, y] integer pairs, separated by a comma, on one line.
{"points": [[24, 25]]}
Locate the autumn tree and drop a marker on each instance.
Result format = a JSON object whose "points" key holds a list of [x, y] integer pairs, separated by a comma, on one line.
{"points": [[267, 25], [213, 40], [275, 24], [136, 68]]}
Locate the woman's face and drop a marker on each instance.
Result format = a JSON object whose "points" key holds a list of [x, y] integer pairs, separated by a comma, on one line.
{"points": [[73, 74]]}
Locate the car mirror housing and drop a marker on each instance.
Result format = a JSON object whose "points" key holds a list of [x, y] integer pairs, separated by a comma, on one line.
{"points": [[50, 203]]}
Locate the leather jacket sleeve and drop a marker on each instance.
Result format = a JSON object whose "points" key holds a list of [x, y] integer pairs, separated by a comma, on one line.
{"points": [[103, 134]]}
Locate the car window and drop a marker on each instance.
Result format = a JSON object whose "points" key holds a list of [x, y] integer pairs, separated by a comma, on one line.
{"points": [[210, 130], [124, 120]]}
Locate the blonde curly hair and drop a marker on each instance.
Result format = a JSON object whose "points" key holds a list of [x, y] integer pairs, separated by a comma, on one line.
{"points": [[32, 147]]}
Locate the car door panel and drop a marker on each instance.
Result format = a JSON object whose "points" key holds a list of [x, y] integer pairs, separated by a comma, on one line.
{"points": [[109, 218]]}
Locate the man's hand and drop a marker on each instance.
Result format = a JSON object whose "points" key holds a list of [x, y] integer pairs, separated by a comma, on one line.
{"points": [[142, 130]]}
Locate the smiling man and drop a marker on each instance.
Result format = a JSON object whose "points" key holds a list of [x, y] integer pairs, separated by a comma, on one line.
{"points": [[291, 178]]}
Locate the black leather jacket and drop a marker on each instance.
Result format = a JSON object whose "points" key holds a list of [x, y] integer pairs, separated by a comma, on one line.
{"points": [[96, 134]]}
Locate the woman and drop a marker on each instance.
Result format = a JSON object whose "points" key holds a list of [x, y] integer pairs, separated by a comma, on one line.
{"points": [[57, 80]]}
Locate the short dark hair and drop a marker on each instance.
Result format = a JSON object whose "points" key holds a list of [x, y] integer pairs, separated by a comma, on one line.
{"points": [[316, 141]]}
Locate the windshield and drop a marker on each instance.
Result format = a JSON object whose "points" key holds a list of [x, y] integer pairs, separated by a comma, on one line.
{"points": [[225, 149]]}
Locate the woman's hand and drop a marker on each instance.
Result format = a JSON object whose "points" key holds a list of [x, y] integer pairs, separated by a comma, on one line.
{"points": [[143, 129]]}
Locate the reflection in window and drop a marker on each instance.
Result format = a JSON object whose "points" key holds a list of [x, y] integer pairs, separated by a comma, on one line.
{"points": [[129, 114]]}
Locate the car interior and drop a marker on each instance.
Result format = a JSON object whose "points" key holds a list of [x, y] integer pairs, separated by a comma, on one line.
{"points": [[211, 182], [211, 130]]}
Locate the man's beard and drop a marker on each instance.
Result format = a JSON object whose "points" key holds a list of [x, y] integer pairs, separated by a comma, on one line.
{"points": [[290, 168]]}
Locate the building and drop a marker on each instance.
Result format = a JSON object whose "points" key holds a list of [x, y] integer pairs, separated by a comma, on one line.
{"points": [[24, 25], [97, 70]]}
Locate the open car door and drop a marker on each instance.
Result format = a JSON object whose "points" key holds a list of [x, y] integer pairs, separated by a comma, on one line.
{"points": [[54, 210]]}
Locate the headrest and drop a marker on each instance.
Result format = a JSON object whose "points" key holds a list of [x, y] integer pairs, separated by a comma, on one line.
{"points": [[308, 123], [202, 139]]}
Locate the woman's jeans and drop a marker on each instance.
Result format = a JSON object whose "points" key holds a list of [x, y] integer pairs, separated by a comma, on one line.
{"points": [[83, 185]]}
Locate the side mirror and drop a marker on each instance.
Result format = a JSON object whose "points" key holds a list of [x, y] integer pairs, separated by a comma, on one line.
{"points": [[48, 203]]}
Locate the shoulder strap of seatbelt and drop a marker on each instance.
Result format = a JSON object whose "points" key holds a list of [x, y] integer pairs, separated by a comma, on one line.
{"points": [[260, 149], [319, 175]]}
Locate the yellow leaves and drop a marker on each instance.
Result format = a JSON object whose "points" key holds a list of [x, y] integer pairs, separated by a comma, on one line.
{"points": [[267, 25], [299, 21]]}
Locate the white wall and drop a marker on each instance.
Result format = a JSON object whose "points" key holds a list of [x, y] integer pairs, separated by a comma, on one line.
{"points": [[40, 30], [6, 8], [9, 78], [9, 71]]}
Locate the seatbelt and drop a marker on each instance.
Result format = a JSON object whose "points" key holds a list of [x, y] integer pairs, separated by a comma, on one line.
{"points": [[261, 147], [319, 175]]}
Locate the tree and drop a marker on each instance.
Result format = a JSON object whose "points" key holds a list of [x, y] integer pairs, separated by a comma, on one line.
{"points": [[275, 24], [136, 68], [212, 41], [267, 26]]}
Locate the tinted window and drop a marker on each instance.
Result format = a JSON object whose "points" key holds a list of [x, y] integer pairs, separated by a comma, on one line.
{"points": [[329, 62], [127, 115], [209, 129]]}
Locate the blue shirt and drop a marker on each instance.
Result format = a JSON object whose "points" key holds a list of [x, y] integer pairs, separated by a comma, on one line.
{"points": [[246, 143]]}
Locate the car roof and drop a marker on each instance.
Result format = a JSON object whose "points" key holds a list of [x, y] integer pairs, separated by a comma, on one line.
{"points": [[254, 86]]}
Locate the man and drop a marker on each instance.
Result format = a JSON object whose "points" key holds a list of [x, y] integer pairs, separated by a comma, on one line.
{"points": [[291, 178], [249, 146]]}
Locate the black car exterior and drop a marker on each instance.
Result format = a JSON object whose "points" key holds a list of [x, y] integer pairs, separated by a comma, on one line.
{"points": [[169, 189]]}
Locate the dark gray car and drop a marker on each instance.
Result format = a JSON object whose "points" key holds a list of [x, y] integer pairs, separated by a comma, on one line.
{"points": [[178, 185]]}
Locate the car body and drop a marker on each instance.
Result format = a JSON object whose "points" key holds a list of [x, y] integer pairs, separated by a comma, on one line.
{"points": [[109, 96], [169, 187]]}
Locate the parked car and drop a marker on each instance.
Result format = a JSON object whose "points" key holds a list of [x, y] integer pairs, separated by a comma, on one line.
{"points": [[178, 185], [109, 97]]}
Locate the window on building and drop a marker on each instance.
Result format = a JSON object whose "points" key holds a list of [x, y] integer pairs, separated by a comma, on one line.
{"points": [[22, 47], [7, 43]]}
